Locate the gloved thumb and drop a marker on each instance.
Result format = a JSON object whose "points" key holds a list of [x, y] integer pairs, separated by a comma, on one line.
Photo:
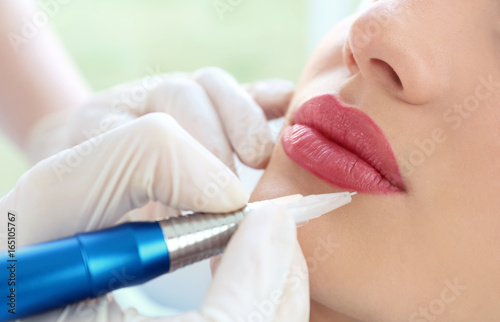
{"points": [[254, 267]]}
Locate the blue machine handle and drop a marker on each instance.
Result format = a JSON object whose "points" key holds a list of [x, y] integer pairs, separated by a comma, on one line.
{"points": [[65, 271]]}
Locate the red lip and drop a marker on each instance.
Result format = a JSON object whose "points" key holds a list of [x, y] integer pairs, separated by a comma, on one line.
{"points": [[343, 146]]}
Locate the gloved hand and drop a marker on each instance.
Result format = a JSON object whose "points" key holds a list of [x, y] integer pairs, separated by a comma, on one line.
{"points": [[223, 116], [137, 159], [91, 185]]}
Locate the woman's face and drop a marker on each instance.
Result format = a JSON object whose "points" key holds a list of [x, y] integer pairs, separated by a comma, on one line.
{"points": [[421, 244]]}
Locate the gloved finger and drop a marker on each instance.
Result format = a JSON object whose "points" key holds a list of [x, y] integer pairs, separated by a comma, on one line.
{"points": [[188, 103], [131, 98], [153, 210], [273, 96], [243, 120], [112, 108], [251, 273], [295, 299], [149, 159]]}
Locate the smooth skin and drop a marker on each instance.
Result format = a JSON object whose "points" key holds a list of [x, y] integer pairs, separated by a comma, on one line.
{"points": [[428, 73]]}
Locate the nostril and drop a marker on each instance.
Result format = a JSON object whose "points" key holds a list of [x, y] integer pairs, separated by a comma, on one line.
{"points": [[387, 71], [396, 78], [352, 60]]}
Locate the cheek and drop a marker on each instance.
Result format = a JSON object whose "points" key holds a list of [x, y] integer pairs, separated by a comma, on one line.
{"points": [[470, 194], [455, 193]]}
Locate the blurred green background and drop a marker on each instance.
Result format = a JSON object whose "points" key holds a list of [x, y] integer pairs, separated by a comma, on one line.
{"points": [[117, 41]]}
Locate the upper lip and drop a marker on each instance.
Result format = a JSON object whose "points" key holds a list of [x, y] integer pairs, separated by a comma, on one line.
{"points": [[353, 130]]}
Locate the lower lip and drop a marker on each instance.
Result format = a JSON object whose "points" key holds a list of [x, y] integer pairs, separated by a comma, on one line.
{"points": [[331, 162]]}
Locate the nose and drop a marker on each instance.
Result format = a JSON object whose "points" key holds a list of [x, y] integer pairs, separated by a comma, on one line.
{"points": [[387, 45]]}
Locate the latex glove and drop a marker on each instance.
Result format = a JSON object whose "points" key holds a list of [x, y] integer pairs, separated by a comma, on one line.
{"points": [[91, 185], [222, 115]]}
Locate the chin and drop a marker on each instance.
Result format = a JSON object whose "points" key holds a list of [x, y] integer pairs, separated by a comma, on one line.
{"points": [[341, 266]]}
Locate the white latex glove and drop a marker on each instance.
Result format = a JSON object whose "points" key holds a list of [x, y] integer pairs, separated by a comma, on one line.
{"points": [[223, 116], [135, 160], [209, 104], [153, 158]]}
